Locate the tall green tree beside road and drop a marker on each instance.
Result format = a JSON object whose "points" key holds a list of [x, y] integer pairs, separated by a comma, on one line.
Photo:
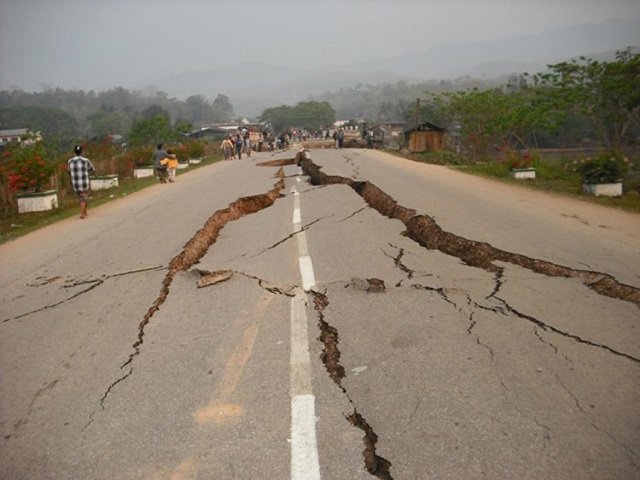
{"points": [[147, 131], [498, 118], [310, 115], [223, 108], [607, 94], [109, 121]]}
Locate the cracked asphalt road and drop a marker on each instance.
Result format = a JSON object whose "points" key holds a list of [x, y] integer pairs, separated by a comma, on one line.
{"points": [[458, 328]]}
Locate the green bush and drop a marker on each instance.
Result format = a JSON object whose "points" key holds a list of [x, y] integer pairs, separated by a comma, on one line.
{"points": [[194, 149], [26, 167], [609, 167], [139, 156]]}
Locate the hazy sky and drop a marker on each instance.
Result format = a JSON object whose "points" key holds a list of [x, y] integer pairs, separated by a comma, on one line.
{"points": [[99, 44]]}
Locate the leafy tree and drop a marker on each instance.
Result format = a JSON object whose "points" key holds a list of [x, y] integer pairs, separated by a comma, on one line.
{"points": [[475, 115], [182, 127], [155, 111], [199, 110], [223, 107], [498, 118], [88, 114], [52, 123], [152, 130], [313, 115], [605, 93], [105, 122], [279, 118], [310, 115]]}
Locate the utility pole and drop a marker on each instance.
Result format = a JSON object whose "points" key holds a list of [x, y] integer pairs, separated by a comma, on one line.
{"points": [[415, 130]]}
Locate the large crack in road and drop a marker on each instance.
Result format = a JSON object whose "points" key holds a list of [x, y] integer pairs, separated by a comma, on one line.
{"points": [[419, 227], [424, 230], [375, 464], [190, 255]]}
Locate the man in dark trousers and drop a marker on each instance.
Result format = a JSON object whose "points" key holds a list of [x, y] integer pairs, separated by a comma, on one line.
{"points": [[161, 170]]}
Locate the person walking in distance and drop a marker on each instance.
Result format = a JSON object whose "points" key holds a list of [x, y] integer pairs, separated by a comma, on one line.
{"points": [[340, 138], [247, 142], [161, 170], [79, 170], [227, 148], [171, 162], [239, 144]]}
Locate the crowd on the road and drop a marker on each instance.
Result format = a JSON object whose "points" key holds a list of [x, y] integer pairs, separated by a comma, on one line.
{"points": [[244, 141], [234, 145]]}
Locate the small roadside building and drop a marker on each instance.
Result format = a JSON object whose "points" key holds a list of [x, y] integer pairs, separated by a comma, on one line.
{"points": [[424, 138], [21, 135], [213, 132]]}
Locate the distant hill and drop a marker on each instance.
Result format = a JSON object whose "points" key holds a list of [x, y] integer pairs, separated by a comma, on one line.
{"points": [[254, 87], [531, 51]]}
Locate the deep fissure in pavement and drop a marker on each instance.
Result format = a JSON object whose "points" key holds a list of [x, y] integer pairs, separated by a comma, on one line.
{"points": [[277, 163], [424, 230], [190, 255], [374, 464]]}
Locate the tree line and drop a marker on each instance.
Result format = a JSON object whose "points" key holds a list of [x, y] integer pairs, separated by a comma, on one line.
{"points": [[578, 103], [61, 114], [582, 102]]}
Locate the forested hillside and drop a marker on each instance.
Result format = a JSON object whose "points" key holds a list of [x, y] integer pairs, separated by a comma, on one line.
{"points": [[583, 102], [59, 113], [389, 102]]}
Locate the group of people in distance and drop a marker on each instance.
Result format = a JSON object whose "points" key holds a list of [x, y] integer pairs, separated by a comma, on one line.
{"points": [[234, 145]]}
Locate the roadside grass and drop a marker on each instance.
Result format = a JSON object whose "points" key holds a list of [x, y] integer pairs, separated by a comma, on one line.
{"points": [[551, 176], [14, 225]]}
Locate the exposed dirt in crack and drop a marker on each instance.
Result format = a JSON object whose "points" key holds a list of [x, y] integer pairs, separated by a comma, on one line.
{"points": [[329, 338], [277, 163], [190, 255], [397, 261], [374, 464], [213, 278], [377, 466], [424, 230]]}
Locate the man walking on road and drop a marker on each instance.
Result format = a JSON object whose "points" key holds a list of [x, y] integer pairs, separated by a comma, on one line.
{"points": [[79, 170], [161, 170]]}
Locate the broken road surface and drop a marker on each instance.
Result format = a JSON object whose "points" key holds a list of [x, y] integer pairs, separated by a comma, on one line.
{"points": [[356, 316]]}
